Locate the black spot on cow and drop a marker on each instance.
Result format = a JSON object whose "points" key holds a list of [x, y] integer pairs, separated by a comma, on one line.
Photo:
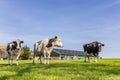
{"points": [[50, 43]]}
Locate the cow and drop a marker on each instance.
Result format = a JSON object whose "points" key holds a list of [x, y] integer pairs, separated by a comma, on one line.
{"points": [[92, 48], [14, 50], [44, 48]]}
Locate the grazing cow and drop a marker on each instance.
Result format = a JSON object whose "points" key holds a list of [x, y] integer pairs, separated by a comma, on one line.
{"points": [[92, 48], [14, 50], [44, 47]]}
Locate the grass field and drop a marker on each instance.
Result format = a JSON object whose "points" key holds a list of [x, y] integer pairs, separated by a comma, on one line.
{"points": [[105, 69]]}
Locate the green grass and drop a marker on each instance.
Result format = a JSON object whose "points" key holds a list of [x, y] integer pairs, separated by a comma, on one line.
{"points": [[105, 69]]}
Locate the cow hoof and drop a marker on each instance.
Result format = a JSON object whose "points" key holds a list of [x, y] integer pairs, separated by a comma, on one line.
{"points": [[44, 62], [95, 61]]}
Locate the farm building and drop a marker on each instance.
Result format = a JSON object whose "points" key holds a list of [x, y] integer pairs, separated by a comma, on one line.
{"points": [[3, 53], [66, 54]]}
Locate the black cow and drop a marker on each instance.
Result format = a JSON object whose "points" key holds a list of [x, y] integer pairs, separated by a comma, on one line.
{"points": [[14, 50], [92, 49]]}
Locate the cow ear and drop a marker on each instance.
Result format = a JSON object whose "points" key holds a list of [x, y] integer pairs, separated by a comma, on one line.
{"points": [[14, 41], [103, 44], [56, 37], [22, 42]]}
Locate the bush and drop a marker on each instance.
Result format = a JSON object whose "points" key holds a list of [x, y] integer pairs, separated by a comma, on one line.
{"points": [[26, 53]]}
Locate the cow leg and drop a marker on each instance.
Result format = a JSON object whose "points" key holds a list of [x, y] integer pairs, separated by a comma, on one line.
{"points": [[19, 53], [17, 58], [48, 59], [95, 57], [9, 59], [40, 59], [45, 57], [85, 58], [34, 57], [89, 58], [85, 53]]}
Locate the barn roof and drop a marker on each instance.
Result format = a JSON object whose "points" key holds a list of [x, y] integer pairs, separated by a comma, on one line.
{"points": [[3, 47], [68, 52], [3, 52]]}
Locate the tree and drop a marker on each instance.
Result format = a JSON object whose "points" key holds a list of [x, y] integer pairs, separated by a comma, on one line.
{"points": [[26, 53]]}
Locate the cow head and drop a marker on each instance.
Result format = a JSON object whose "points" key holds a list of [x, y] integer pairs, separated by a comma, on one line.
{"points": [[17, 44], [98, 44], [57, 42], [54, 42]]}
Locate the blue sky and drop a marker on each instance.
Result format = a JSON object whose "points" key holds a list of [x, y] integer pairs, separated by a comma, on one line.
{"points": [[76, 22]]}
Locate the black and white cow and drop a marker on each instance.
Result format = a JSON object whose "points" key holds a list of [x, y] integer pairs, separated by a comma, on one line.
{"points": [[44, 47], [92, 49], [14, 50]]}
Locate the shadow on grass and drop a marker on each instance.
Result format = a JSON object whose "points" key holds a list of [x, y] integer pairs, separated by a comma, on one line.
{"points": [[74, 67], [94, 67], [2, 65], [20, 70]]}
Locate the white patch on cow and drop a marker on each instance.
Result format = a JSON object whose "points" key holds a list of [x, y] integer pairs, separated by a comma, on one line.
{"points": [[58, 42], [10, 44], [18, 43]]}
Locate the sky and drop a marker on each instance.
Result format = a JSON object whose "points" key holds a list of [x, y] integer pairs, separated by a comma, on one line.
{"points": [[76, 22]]}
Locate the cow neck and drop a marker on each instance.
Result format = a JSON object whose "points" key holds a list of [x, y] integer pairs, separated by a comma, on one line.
{"points": [[50, 43]]}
